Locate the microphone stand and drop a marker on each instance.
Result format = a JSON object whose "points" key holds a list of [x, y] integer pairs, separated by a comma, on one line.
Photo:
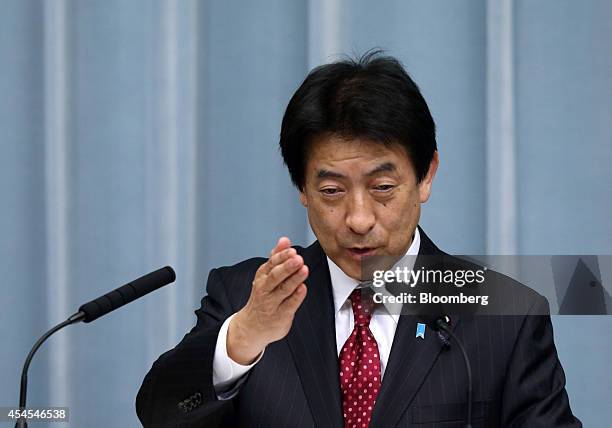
{"points": [[23, 390], [443, 325], [95, 309]]}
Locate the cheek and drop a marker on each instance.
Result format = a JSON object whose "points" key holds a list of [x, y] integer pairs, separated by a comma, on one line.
{"points": [[399, 217], [323, 219]]}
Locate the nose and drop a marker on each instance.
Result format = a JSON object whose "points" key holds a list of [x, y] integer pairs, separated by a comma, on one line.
{"points": [[360, 217]]}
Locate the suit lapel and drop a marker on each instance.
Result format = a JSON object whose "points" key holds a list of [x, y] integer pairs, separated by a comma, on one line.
{"points": [[410, 361], [313, 343]]}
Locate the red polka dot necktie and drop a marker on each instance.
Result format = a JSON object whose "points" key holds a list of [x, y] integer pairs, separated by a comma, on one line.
{"points": [[360, 365]]}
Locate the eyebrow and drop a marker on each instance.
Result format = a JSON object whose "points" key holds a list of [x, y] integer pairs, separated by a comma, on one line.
{"points": [[383, 167], [325, 173]]}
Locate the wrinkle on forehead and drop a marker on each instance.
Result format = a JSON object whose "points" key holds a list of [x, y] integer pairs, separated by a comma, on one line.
{"points": [[336, 149], [337, 156]]}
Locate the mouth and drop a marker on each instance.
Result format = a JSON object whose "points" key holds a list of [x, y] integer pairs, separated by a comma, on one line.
{"points": [[358, 253]]}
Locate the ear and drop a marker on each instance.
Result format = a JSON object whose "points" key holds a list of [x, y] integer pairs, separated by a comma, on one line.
{"points": [[425, 184], [303, 199]]}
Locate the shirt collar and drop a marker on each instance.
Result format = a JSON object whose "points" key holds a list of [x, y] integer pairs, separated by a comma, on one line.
{"points": [[343, 285]]}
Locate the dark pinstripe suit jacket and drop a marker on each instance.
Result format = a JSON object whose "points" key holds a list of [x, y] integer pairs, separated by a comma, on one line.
{"points": [[518, 380]]}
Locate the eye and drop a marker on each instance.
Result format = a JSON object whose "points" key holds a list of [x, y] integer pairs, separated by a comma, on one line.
{"points": [[384, 187], [330, 191]]}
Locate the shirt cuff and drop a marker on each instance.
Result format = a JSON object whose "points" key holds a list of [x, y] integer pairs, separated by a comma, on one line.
{"points": [[228, 375]]}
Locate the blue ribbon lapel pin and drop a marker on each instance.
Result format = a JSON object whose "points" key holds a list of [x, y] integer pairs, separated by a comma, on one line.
{"points": [[420, 330]]}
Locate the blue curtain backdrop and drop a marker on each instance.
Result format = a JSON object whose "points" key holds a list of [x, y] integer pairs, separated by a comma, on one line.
{"points": [[136, 134]]}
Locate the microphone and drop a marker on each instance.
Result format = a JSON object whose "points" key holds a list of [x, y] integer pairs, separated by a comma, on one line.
{"points": [[443, 323], [127, 293], [95, 309]]}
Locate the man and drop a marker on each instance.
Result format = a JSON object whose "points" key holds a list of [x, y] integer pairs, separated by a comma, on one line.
{"points": [[288, 342]]}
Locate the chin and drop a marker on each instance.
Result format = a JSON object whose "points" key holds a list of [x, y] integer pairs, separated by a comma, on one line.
{"points": [[349, 268], [355, 273]]}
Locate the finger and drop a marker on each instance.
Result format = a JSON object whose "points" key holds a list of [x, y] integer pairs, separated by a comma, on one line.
{"points": [[277, 259], [293, 302], [280, 257], [281, 272], [288, 286], [282, 244]]}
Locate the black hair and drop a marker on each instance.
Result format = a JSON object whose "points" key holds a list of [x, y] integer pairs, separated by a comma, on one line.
{"points": [[369, 97]]}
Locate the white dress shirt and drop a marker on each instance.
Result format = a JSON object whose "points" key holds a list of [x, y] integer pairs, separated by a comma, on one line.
{"points": [[228, 375]]}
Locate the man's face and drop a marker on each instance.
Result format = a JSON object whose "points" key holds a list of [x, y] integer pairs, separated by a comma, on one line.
{"points": [[362, 199]]}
